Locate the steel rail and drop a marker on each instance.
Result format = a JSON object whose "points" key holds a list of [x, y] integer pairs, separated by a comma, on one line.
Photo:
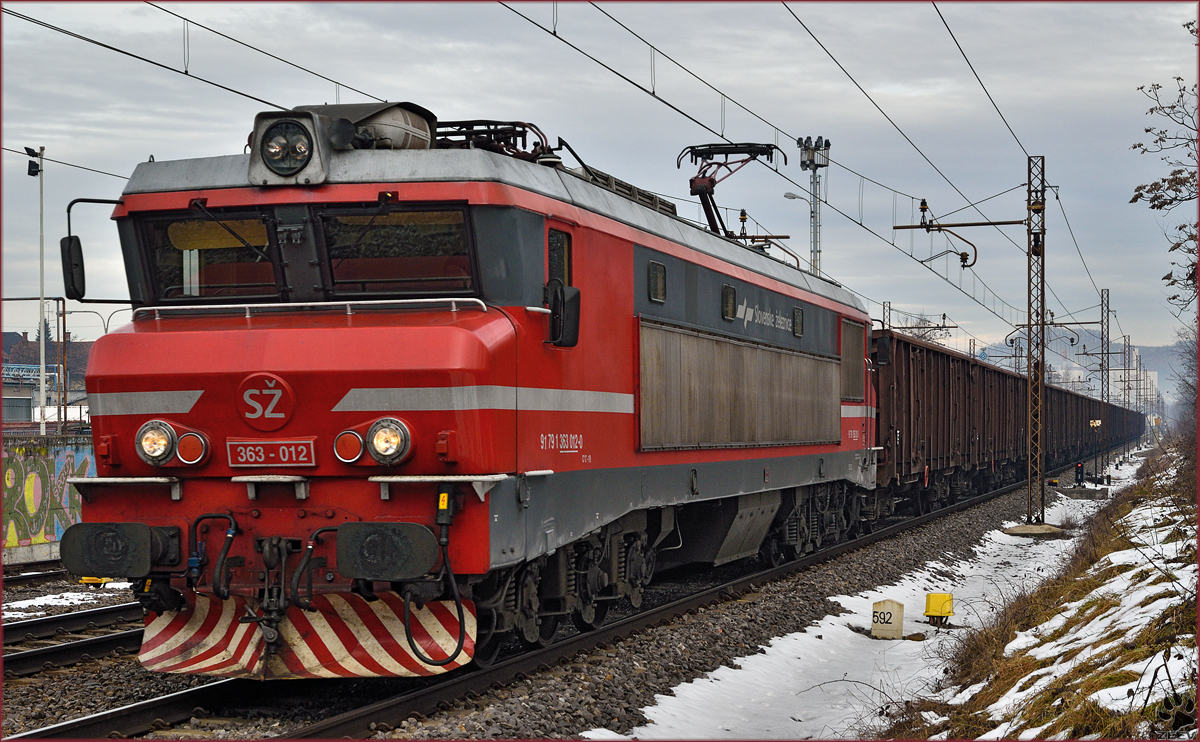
{"points": [[70, 653], [70, 623], [34, 578], [140, 717]]}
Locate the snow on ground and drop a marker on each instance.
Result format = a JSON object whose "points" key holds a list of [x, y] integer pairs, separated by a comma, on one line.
{"points": [[19, 610], [1130, 602], [831, 681]]}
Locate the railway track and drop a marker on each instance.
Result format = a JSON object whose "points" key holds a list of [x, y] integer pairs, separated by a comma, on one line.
{"points": [[35, 573], [428, 696], [19, 632], [70, 638]]}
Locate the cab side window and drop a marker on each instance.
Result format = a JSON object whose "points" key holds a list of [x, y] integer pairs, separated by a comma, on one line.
{"points": [[559, 257]]}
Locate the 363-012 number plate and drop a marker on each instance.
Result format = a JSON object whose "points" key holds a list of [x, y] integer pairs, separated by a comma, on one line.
{"points": [[258, 452]]}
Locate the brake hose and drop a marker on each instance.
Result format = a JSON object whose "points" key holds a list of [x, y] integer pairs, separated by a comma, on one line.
{"points": [[194, 557], [458, 604], [313, 540]]}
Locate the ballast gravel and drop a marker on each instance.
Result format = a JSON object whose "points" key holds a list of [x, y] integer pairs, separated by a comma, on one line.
{"points": [[68, 693], [608, 687]]}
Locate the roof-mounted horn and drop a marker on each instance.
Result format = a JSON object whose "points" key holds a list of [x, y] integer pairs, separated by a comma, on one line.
{"points": [[294, 147]]}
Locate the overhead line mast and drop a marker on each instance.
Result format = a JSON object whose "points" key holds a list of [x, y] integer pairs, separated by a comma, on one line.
{"points": [[1035, 221], [1036, 231], [1106, 424]]}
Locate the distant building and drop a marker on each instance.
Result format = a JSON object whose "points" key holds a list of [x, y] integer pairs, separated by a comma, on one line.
{"points": [[20, 353]]}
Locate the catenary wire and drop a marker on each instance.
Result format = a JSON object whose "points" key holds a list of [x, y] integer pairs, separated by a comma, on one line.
{"points": [[726, 96], [776, 128], [68, 164], [709, 129], [1072, 233], [1015, 138], [985, 90], [229, 89], [982, 200], [260, 100], [140, 58], [261, 51], [881, 111], [918, 149]]}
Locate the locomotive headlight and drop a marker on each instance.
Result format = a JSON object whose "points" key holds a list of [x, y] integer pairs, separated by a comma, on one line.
{"points": [[389, 441], [156, 442], [286, 147], [276, 148]]}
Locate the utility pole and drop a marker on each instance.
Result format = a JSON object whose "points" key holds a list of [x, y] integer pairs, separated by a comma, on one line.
{"points": [[36, 169], [1036, 232], [1105, 423], [1126, 362], [1141, 390]]}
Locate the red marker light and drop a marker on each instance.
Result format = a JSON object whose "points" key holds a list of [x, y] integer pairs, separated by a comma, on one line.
{"points": [[191, 448], [348, 446]]}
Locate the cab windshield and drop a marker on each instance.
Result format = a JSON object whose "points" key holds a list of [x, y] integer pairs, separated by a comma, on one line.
{"points": [[409, 252], [198, 257], [308, 253]]}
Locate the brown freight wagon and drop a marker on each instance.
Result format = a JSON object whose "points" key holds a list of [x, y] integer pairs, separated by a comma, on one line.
{"points": [[949, 426]]}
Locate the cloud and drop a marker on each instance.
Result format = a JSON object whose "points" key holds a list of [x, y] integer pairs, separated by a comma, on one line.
{"points": [[1065, 75]]}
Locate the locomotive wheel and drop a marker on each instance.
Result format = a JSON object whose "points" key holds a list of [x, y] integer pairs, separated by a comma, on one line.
{"points": [[533, 630], [487, 647], [641, 560], [772, 553], [590, 581], [546, 631], [528, 603], [591, 617]]}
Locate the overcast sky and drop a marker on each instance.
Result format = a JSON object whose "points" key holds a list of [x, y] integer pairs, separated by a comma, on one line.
{"points": [[1065, 76]]}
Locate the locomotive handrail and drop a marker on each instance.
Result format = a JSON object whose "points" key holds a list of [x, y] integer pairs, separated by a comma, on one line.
{"points": [[82, 483], [301, 483], [442, 478], [453, 301], [482, 483]]}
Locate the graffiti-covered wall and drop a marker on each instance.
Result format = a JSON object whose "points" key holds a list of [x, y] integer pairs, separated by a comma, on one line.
{"points": [[38, 502]]}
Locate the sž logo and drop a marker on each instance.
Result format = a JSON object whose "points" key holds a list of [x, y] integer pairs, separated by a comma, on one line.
{"points": [[265, 401]]}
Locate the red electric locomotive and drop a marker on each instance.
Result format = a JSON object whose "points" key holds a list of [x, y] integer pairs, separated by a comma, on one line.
{"points": [[395, 390]]}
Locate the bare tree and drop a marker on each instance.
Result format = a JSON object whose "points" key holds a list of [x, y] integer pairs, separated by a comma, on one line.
{"points": [[1175, 141], [1185, 388], [921, 327]]}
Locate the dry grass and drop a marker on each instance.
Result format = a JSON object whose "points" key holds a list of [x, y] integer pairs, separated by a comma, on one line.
{"points": [[978, 656]]}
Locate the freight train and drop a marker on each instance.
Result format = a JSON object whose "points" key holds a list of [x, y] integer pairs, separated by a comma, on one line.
{"points": [[397, 391]]}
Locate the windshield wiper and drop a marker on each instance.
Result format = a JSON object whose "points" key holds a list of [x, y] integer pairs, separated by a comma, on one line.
{"points": [[349, 250], [197, 204], [367, 228]]}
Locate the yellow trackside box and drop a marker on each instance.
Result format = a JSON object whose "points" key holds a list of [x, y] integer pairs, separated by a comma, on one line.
{"points": [[939, 604]]}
